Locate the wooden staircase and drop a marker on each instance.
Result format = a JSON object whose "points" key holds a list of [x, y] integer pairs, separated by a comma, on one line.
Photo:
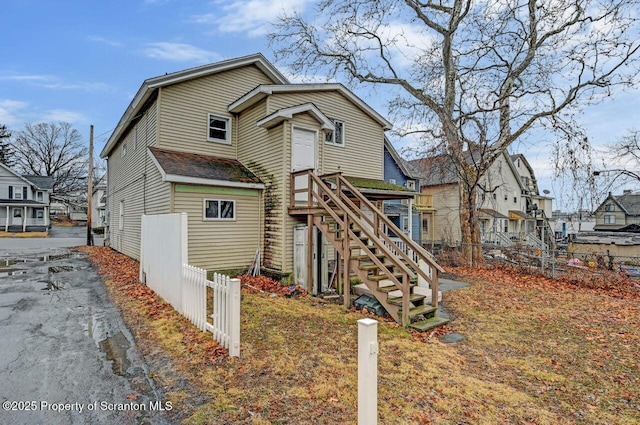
{"points": [[359, 232]]}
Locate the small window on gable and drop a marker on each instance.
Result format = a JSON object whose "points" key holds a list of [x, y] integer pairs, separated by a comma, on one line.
{"points": [[515, 199], [335, 137], [609, 207], [219, 129], [219, 209]]}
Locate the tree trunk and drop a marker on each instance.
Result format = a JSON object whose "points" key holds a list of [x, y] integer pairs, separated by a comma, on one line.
{"points": [[469, 226]]}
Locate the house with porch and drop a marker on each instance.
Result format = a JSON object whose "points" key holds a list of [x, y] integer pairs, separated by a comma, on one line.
{"points": [[509, 211], [24, 201], [260, 164]]}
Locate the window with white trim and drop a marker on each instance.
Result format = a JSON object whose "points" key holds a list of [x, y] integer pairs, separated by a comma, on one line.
{"points": [[335, 137], [18, 193], [39, 196], [392, 181], [411, 184], [609, 207], [218, 209], [219, 129], [609, 219], [121, 216]]}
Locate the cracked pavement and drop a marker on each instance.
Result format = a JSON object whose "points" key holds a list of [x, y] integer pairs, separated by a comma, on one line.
{"points": [[66, 356]]}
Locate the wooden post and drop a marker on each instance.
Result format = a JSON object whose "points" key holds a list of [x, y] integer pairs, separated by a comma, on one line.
{"points": [[310, 277], [346, 269], [367, 371]]}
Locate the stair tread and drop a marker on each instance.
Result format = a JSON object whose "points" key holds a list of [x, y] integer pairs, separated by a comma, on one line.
{"points": [[379, 277], [390, 288], [421, 309], [413, 298], [366, 257], [374, 266], [425, 325]]}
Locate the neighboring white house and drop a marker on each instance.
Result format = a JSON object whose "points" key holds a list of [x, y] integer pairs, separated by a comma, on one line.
{"points": [[24, 201], [99, 203]]}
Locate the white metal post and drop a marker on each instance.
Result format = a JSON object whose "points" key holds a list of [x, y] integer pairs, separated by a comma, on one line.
{"points": [[367, 371], [234, 317]]}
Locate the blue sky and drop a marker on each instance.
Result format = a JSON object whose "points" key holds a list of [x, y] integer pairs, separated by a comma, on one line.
{"points": [[83, 61]]}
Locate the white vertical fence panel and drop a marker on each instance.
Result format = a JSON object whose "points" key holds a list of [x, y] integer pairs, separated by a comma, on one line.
{"points": [[163, 250]]}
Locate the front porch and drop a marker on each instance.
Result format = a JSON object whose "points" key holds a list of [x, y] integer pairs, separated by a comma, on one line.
{"points": [[28, 216]]}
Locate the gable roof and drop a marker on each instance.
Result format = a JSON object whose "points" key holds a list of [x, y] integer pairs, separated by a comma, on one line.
{"points": [[264, 90], [149, 87], [628, 202], [183, 167], [287, 113], [440, 169], [41, 182], [45, 181], [404, 166]]}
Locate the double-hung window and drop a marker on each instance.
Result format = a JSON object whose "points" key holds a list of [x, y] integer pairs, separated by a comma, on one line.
{"points": [[609, 219], [335, 137], [219, 129], [219, 209]]}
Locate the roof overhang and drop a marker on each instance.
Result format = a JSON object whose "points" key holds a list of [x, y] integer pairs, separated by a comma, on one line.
{"points": [[149, 86], [262, 91], [178, 178], [287, 113]]}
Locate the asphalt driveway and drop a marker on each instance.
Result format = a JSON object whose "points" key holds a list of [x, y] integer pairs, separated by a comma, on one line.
{"points": [[66, 356]]}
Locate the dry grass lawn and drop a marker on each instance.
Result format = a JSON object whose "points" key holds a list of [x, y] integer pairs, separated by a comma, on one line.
{"points": [[536, 352]]}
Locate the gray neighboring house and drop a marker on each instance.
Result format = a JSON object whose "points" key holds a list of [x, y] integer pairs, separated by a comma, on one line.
{"points": [[24, 201]]}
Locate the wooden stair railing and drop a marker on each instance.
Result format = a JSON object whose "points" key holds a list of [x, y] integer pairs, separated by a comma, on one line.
{"points": [[396, 265]]}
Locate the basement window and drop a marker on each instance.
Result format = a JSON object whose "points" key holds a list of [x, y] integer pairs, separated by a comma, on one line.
{"points": [[219, 209]]}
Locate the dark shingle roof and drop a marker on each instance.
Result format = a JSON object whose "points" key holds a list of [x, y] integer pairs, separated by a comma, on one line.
{"points": [[43, 182], [435, 170], [203, 166], [630, 202]]}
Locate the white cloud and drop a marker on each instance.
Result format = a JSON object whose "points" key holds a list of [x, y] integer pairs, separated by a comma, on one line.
{"points": [[103, 40], [252, 17], [179, 52], [10, 111], [63, 115], [53, 82]]}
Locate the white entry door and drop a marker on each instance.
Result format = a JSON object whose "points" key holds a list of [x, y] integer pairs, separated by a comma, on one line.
{"points": [[303, 156], [16, 217]]}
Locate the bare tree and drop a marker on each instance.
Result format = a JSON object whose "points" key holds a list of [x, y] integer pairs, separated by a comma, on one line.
{"points": [[470, 75], [6, 154], [53, 149]]}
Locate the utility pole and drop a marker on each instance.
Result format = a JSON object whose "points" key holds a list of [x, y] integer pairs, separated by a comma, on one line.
{"points": [[90, 188]]}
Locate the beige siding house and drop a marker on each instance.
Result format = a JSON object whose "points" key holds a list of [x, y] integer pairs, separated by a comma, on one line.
{"points": [[219, 142], [506, 202]]}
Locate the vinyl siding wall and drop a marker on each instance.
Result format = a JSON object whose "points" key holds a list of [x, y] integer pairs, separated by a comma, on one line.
{"points": [[447, 211], [261, 150], [185, 107], [134, 179], [220, 245], [362, 154]]}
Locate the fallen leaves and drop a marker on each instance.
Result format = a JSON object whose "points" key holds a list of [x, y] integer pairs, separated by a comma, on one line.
{"points": [[120, 274], [255, 284]]}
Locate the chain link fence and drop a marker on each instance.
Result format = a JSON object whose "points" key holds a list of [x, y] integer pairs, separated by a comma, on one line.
{"points": [[557, 263]]}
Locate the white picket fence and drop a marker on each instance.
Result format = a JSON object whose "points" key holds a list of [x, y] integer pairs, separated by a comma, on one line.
{"points": [[164, 268], [225, 300]]}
